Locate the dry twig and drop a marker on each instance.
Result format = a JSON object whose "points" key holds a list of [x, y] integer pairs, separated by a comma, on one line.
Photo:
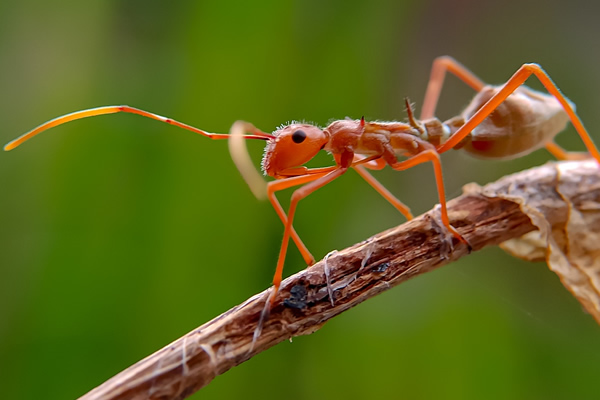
{"points": [[362, 271]]}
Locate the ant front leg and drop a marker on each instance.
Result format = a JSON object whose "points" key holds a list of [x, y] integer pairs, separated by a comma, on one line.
{"points": [[278, 185], [314, 182], [507, 89], [436, 81]]}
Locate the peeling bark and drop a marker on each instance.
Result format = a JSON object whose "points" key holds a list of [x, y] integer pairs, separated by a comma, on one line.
{"points": [[484, 216]]}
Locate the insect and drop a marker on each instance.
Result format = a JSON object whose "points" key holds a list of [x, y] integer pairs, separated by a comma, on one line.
{"points": [[501, 122]]}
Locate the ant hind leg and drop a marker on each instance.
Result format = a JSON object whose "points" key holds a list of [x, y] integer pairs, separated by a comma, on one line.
{"points": [[561, 154], [436, 81], [507, 89]]}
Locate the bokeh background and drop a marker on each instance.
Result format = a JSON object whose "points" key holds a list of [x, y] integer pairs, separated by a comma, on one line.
{"points": [[119, 234]]}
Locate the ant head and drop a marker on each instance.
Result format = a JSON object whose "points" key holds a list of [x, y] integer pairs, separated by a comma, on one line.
{"points": [[292, 146]]}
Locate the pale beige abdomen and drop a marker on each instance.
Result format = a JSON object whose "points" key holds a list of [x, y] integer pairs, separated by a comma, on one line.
{"points": [[524, 122]]}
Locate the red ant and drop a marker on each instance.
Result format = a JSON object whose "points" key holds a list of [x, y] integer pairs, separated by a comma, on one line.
{"points": [[501, 122]]}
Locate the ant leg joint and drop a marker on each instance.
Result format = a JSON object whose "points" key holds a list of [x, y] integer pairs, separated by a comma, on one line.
{"points": [[444, 59], [532, 66]]}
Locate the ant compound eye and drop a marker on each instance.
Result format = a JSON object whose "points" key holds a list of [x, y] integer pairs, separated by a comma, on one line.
{"points": [[299, 136]]}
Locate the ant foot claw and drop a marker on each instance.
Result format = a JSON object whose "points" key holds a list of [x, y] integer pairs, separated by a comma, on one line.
{"points": [[264, 315], [327, 276], [446, 234], [368, 253]]}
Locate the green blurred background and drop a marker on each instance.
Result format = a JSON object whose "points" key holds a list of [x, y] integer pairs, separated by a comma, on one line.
{"points": [[119, 234]]}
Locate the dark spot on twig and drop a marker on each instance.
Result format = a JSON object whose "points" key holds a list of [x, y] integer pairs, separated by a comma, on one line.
{"points": [[297, 297], [381, 267], [469, 247]]}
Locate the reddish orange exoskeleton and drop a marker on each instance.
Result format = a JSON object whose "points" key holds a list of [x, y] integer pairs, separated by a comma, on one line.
{"points": [[502, 122]]}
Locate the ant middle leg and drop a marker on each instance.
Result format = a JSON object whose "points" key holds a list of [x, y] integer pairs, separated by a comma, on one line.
{"points": [[378, 186], [434, 157]]}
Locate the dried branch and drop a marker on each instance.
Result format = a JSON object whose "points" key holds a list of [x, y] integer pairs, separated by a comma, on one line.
{"points": [[484, 216]]}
